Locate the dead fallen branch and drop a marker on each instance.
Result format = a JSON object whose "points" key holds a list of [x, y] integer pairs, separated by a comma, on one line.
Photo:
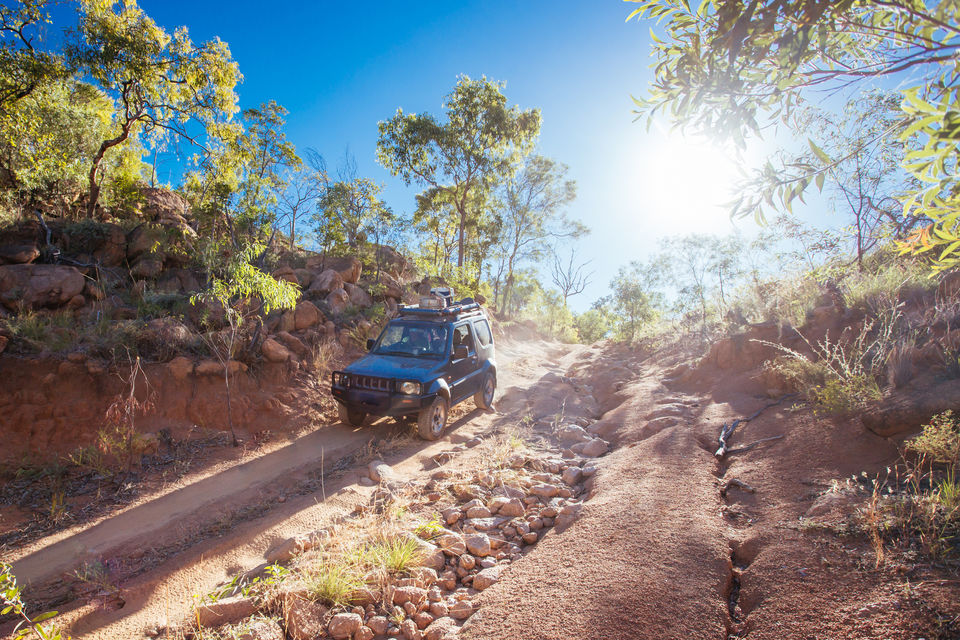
{"points": [[747, 447], [727, 430]]}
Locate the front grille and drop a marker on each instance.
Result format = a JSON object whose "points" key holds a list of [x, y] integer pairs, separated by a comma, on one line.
{"points": [[369, 382]]}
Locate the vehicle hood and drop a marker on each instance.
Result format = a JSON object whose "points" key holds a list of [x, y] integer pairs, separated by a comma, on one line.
{"points": [[420, 369]]}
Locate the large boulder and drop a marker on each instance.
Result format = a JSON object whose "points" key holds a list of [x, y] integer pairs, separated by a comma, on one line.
{"points": [[274, 351], [168, 208], [327, 281], [147, 267], [392, 287], [294, 344], [741, 352], [286, 273], [348, 267], [178, 281], [344, 625], [904, 413], [38, 285], [441, 628], [304, 277], [338, 301], [145, 238], [106, 243], [393, 262], [18, 253], [225, 611], [306, 315], [358, 297], [303, 618]]}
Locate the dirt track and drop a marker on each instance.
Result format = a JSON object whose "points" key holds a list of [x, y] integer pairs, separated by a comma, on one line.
{"points": [[182, 528], [658, 552]]}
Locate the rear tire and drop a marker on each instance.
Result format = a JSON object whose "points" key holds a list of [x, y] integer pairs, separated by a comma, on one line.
{"points": [[484, 398], [350, 417], [433, 420]]}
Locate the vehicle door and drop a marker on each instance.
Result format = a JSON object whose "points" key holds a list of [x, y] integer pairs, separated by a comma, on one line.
{"points": [[484, 340], [463, 378]]}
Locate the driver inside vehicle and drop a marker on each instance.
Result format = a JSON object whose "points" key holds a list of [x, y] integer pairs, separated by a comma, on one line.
{"points": [[418, 340], [438, 339]]}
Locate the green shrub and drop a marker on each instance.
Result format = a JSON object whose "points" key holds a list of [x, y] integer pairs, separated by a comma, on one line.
{"points": [[334, 584], [940, 439], [845, 396], [948, 496], [43, 331], [393, 555], [890, 278]]}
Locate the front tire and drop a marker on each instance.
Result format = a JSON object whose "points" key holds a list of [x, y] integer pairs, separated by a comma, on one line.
{"points": [[484, 398], [433, 420], [351, 417]]}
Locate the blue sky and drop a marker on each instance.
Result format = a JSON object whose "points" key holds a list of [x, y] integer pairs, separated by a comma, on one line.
{"points": [[340, 67]]}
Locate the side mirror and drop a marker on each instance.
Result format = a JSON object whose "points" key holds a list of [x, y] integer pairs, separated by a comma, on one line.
{"points": [[460, 352], [370, 343]]}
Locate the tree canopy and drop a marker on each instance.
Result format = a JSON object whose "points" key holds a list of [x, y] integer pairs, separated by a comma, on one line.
{"points": [[731, 68], [467, 153], [161, 83]]}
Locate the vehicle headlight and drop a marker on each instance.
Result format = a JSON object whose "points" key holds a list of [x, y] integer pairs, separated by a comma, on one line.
{"points": [[341, 379], [410, 388]]}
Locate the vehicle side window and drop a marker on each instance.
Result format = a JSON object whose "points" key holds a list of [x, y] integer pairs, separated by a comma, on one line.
{"points": [[462, 336], [483, 333]]}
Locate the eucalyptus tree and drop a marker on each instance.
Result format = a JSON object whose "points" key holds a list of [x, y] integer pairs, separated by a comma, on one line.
{"points": [[353, 205], [25, 64], [531, 207], [474, 148], [633, 300], [161, 83], [266, 156]]}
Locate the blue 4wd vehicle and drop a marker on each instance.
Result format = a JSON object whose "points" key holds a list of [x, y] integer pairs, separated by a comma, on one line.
{"points": [[426, 360]]}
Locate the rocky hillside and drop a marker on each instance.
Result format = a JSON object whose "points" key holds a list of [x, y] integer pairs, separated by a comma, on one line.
{"points": [[79, 301]]}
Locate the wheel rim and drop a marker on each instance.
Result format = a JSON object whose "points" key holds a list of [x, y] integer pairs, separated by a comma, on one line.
{"points": [[438, 418], [488, 389]]}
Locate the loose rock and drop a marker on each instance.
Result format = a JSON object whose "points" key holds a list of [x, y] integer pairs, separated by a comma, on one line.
{"points": [[478, 544], [544, 490], [415, 595], [572, 475], [441, 628], [225, 611], [486, 578], [304, 618], [596, 448], [462, 609], [344, 625]]}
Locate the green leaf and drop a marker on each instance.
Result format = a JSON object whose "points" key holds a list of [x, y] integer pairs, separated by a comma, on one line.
{"points": [[820, 153]]}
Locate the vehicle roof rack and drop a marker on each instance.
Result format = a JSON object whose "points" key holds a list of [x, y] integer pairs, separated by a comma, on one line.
{"points": [[466, 308]]}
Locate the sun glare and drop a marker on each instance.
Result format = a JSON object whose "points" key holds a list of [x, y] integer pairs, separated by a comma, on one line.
{"points": [[687, 181]]}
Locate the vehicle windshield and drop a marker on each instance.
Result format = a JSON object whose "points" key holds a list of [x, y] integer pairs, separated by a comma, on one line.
{"points": [[412, 339]]}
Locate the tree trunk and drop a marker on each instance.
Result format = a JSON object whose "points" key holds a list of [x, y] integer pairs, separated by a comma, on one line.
{"points": [[226, 381], [462, 230], [95, 167]]}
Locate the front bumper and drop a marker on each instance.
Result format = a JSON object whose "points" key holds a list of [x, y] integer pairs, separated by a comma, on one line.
{"points": [[380, 403]]}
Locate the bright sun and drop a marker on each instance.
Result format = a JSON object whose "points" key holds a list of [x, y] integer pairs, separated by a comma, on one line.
{"points": [[687, 181]]}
